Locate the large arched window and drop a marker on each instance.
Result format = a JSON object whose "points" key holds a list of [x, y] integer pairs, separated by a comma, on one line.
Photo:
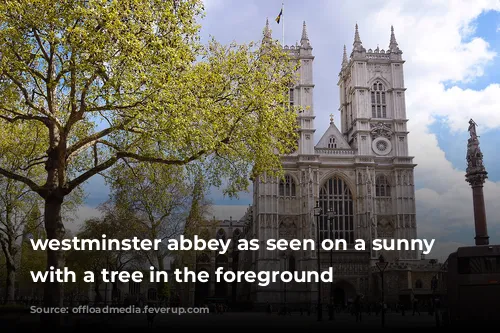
{"points": [[134, 288], [221, 234], [336, 195], [379, 103], [203, 258], [287, 187], [221, 261], [382, 187]]}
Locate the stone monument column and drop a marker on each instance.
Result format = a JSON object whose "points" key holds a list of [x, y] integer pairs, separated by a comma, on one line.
{"points": [[476, 176]]}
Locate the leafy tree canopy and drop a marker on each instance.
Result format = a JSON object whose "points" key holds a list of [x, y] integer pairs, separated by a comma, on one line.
{"points": [[100, 81]]}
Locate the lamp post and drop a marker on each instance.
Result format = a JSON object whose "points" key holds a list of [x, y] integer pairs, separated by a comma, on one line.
{"points": [[382, 265], [331, 215], [285, 312], [317, 213]]}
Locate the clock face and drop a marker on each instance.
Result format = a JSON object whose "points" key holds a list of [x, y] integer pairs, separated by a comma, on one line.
{"points": [[381, 146]]}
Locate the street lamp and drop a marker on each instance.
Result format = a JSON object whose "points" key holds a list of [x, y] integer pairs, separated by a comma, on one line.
{"points": [[382, 265], [285, 257], [331, 215], [317, 214]]}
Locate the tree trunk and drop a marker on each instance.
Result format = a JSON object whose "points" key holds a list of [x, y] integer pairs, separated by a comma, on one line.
{"points": [[160, 285], [10, 287], [53, 291], [98, 296]]}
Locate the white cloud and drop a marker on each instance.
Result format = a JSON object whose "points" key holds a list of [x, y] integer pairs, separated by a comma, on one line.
{"points": [[432, 37], [82, 214], [439, 47]]}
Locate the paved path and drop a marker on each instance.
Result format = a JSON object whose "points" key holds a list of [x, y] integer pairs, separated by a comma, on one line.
{"points": [[231, 320]]}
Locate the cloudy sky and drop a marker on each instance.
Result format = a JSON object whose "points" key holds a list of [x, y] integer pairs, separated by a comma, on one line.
{"points": [[452, 74]]}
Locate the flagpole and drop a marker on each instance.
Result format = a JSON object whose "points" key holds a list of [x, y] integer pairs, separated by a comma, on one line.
{"points": [[283, 26]]}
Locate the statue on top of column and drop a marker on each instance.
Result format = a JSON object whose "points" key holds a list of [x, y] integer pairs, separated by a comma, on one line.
{"points": [[472, 130], [476, 172]]}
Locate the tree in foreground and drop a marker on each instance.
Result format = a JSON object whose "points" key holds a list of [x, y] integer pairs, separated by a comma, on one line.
{"points": [[161, 198], [17, 206], [128, 80], [31, 260], [20, 216], [115, 224]]}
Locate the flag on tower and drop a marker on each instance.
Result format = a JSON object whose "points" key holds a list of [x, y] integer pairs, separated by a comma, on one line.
{"points": [[278, 18]]}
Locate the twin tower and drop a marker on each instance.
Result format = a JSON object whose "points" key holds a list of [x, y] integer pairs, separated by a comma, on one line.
{"points": [[358, 172]]}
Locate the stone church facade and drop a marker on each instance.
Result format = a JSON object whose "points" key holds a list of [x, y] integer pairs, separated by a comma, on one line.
{"points": [[359, 173], [359, 170]]}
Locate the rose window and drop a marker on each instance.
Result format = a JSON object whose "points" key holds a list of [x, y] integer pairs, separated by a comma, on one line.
{"points": [[382, 145]]}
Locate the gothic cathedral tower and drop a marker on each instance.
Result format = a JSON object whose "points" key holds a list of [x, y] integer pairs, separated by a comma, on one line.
{"points": [[373, 116], [359, 174], [282, 207]]}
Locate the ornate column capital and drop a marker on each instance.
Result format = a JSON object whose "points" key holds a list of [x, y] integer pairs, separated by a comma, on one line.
{"points": [[476, 179]]}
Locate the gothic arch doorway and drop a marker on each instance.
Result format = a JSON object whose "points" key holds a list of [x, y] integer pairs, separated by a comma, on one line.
{"points": [[343, 293], [339, 297], [335, 195]]}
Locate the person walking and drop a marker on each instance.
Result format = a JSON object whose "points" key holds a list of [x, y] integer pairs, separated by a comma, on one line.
{"points": [[415, 307]]}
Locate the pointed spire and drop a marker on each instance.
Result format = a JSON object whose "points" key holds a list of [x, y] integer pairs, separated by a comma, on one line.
{"points": [[267, 31], [393, 45], [357, 39], [304, 32], [344, 57], [304, 40], [357, 45]]}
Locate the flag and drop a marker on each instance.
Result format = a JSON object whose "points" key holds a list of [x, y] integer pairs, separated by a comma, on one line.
{"points": [[278, 18]]}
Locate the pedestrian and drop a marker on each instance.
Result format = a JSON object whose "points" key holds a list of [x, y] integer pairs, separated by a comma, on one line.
{"points": [[357, 308], [415, 307], [150, 316]]}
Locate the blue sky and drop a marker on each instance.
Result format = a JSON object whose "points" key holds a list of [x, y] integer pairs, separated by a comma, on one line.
{"points": [[452, 143], [452, 73]]}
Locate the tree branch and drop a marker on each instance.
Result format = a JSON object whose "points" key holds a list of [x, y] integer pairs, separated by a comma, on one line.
{"points": [[20, 116], [138, 157], [90, 140], [91, 172], [32, 185], [28, 101], [123, 154], [40, 43]]}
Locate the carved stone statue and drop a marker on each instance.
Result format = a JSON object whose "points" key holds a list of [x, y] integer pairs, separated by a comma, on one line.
{"points": [[474, 154], [476, 172], [472, 129], [381, 129]]}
